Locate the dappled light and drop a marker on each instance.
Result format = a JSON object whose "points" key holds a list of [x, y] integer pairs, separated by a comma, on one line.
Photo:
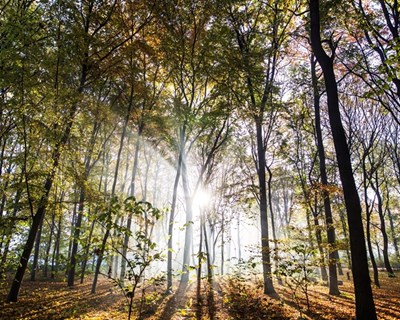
{"points": [[233, 299]]}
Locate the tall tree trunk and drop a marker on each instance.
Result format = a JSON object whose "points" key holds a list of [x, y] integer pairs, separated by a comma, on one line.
{"points": [[188, 208], [265, 248], [113, 188], [34, 266], [55, 259], [199, 264], [117, 258], [210, 274], [132, 193], [127, 162], [368, 212], [318, 236], [393, 233], [82, 198], [276, 253], [171, 223], [312, 210], [370, 249], [309, 230], [104, 170], [208, 257], [9, 231], [99, 261], [346, 237], [385, 252], [48, 247], [189, 217], [378, 249], [75, 237], [222, 242], [87, 248], [365, 307], [338, 263], [71, 236], [134, 169], [259, 108], [330, 229]]}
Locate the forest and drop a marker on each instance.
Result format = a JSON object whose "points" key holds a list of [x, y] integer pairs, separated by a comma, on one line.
{"points": [[199, 159]]}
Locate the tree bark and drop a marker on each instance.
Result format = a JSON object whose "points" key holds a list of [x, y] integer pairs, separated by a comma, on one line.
{"points": [[199, 264], [346, 237], [371, 251], [82, 198], [318, 236], [189, 215], [88, 243], [76, 232], [385, 252], [55, 260], [113, 188], [222, 242], [71, 236], [271, 211], [330, 229], [393, 233], [266, 253], [171, 223], [368, 212], [87, 248], [365, 307], [48, 247], [132, 193]]}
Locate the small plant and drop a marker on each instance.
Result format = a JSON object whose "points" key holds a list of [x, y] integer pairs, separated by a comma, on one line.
{"points": [[247, 268], [140, 256], [296, 269]]}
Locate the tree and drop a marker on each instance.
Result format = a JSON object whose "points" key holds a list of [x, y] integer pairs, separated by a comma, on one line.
{"points": [[330, 229], [91, 157], [365, 307], [134, 28], [187, 42], [37, 218], [258, 59], [94, 20], [376, 32]]}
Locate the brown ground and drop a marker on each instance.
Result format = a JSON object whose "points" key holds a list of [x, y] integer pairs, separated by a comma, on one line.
{"points": [[230, 299]]}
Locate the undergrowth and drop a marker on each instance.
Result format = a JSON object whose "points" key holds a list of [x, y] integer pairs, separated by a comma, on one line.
{"points": [[246, 301]]}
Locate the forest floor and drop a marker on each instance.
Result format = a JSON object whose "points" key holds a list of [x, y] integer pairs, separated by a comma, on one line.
{"points": [[230, 298]]}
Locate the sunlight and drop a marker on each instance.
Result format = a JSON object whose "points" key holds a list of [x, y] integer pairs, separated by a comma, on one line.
{"points": [[201, 199], [169, 155]]}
